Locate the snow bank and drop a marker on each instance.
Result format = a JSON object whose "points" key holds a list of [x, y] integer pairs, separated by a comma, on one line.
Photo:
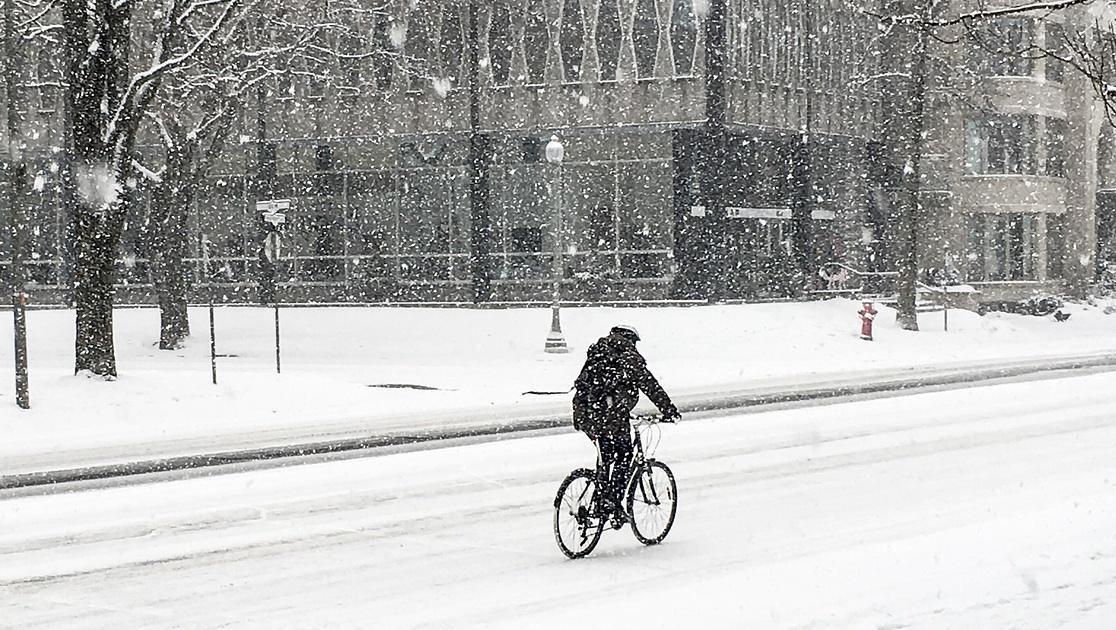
{"points": [[335, 362]]}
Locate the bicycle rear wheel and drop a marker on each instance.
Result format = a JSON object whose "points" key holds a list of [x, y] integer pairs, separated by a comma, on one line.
{"points": [[652, 502], [577, 526]]}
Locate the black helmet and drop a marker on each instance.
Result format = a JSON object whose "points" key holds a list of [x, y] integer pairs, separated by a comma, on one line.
{"points": [[627, 331]]}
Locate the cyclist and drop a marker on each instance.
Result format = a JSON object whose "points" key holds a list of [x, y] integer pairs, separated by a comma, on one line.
{"points": [[606, 391]]}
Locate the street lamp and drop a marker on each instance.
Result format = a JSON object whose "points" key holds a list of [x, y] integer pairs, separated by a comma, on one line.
{"points": [[555, 342]]}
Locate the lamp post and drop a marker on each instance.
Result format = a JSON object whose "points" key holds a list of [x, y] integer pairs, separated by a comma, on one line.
{"points": [[555, 342]]}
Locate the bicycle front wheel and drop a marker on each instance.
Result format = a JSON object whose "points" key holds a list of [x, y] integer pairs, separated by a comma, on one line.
{"points": [[652, 502], [577, 526]]}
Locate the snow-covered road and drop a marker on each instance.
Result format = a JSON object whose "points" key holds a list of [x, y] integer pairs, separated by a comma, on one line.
{"points": [[991, 507]]}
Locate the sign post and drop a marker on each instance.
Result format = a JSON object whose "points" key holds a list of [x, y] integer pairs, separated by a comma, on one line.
{"points": [[205, 243], [272, 211]]}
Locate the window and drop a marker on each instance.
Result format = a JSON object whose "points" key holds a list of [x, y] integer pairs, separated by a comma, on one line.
{"points": [[452, 43], [45, 79], [350, 51], [285, 88], [645, 34], [499, 44], [525, 239], [602, 229], [382, 62], [642, 221], [608, 39], [319, 241], [1055, 245], [267, 161], [430, 229], [221, 221], [533, 149], [315, 74], [419, 44], [1055, 147], [683, 37], [323, 157], [536, 41], [756, 51], [1001, 247], [372, 231], [1055, 45], [572, 32], [1002, 47], [1000, 145]]}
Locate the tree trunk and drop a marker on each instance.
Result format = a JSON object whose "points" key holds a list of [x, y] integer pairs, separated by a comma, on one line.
{"points": [[167, 246], [97, 236], [903, 90], [95, 76]]}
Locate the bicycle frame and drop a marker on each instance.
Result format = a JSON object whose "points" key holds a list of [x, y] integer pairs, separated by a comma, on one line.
{"points": [[634, 466]]}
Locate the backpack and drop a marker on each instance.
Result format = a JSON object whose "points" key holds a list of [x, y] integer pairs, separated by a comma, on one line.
{"points": [[600, 378]]}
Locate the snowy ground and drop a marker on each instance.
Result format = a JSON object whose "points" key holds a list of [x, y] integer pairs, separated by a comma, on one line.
{"points": [[989, 507], [480, 360]]}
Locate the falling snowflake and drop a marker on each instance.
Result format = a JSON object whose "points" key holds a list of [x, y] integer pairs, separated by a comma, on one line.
{"points": [[442, 86], [97, 185], [701, 8], [398, 35]]}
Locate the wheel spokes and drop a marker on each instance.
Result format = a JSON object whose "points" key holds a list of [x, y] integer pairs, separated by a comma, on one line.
{"points": [[577, 529], [652, 502]]}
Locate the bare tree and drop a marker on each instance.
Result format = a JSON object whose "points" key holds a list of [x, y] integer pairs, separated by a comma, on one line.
{"points": [[902, 93], [197, 109], [107, 94], [907, 27], [15, 184]]}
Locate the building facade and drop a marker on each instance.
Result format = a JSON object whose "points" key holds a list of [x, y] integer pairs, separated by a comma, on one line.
{"points": [[407, 185]]}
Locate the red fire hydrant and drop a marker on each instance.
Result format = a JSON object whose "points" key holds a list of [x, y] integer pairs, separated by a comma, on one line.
{"points": [[867, 314]]}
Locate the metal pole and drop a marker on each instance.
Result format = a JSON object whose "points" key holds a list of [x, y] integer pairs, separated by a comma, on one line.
{"points": [[714, 150], [23, 397], [555, 341], [208, 277], [945, 309], [277, 370], [212, 339], [17, 175], [479, 226]]}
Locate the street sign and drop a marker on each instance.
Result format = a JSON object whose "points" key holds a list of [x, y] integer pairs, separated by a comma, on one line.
{"points": [[275, 218], [273, 205], [736, 212]]}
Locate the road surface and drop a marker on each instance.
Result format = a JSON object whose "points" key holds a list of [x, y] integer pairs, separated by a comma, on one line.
{"points": [[989, 507]]}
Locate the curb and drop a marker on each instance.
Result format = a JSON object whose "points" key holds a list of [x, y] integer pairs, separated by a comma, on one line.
{"points": [[721, 403]]}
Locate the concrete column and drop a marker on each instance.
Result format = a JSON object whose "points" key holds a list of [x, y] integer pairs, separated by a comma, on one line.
{"points": [[518, 75], [590, 60], [664, 54], [1040, 247], [626, 69], [483, 31], [555, 71], [1083, 120]]}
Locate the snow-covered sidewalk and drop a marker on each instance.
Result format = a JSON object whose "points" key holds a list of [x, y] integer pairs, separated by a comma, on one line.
{"points": [[473, 366]]}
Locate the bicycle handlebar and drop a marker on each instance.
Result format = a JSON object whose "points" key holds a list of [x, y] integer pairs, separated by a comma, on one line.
{"points": [[654, 418]]}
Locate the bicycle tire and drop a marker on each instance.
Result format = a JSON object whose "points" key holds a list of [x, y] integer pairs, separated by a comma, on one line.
{"points": [[652, 502], [576, 528]]}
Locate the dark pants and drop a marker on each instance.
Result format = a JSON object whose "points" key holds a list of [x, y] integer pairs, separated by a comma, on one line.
{"points": [[615, 444]]}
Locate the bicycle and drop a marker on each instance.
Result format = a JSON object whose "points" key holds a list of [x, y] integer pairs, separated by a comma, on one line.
{"points": [[650, 499]]}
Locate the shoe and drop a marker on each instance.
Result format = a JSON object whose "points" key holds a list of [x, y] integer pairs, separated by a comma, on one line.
{"points": [[619, 520]]}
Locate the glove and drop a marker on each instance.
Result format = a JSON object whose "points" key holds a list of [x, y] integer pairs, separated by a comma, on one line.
{"points": [[671, 415]]}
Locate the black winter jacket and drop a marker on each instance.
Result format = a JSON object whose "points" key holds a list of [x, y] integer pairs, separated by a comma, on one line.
{"points": [[607, 389]]}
